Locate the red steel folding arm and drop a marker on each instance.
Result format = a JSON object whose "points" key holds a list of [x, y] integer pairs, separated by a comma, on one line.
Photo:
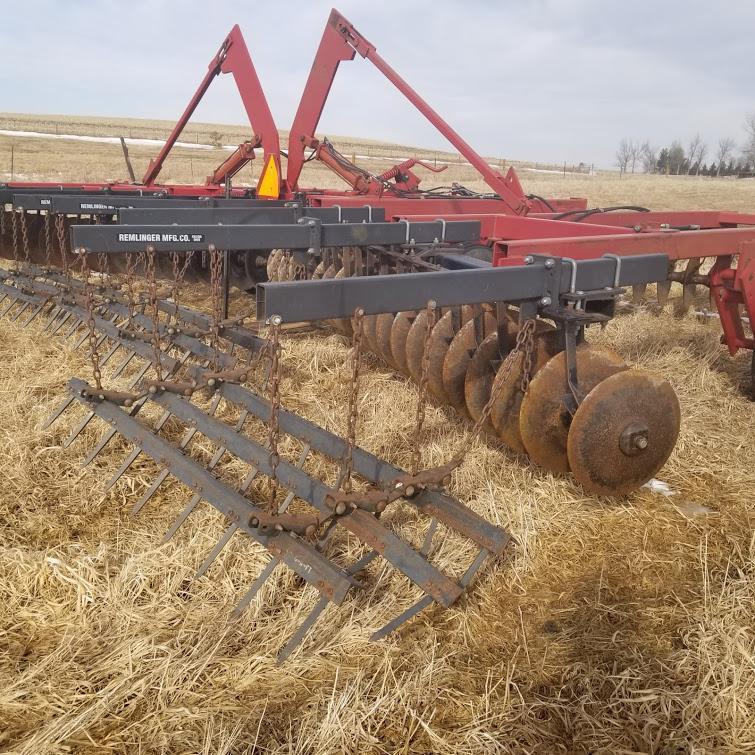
{"points": [[232, 57], [341, 41]]}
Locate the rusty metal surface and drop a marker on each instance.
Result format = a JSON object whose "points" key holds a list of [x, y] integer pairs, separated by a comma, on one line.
{"points": [[479, 378], [402, 324], [383, 327], [544, 419], [606, 451], [505, 412]]}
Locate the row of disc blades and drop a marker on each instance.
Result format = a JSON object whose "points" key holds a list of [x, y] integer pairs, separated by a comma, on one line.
{"points": [[622, 409]]}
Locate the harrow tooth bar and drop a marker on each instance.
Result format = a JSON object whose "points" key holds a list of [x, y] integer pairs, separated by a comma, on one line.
{"points": [[301, 632], [297, 554], [359, 522], [54, 416]]}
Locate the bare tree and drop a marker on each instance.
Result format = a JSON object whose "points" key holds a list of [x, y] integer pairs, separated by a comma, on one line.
{"points": [[723, 153], [750, 130], [623, 155], [702, 150], [649, 157], [634, 153], [693, 153]]}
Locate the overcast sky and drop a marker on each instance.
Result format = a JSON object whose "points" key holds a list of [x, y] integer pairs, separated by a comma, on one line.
{"points": [[538, 80]]}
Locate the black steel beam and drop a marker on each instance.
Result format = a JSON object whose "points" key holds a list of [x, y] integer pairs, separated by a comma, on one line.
{"points": [[170, 238], [299, 301], [247, 215]]}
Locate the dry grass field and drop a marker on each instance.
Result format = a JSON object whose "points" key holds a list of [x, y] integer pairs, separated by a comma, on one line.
{"points": [[611, 626]]}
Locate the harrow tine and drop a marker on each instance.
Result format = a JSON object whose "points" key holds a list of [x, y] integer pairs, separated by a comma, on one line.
{"points": [[122, 366], [425, 601], [78, 429], [301, 632], [182, 517], [108, 436], [428, 541], [139, 375], [20, 311], [61, 322], [105, 359], [196, 498], [54, 312], [163, 475], [127, 462], [215, 552], [51, 419], [77, 323], [291, 495], [255, 587], [34, 314], [159, 480], [8, 306]]}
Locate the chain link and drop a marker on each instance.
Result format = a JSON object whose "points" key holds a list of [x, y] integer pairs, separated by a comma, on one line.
{"points": [[216, 274], [60, 228], [14, 229], [154, 311], [524, 346], [48, 240], [25, 237], [179, 271], [422, 397], [275, 399], [353, 416], [92, 335]]}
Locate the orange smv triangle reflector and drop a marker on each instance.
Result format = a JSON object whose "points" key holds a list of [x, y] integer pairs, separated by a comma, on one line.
{"points": [[269, 183]]}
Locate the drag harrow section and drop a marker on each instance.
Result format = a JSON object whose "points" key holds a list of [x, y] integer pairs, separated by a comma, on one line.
{"points": [[294, 515]]}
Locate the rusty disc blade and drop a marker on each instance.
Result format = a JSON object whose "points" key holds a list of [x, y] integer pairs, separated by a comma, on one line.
{"points": [[402, 324], [370, 340], [507, 385], [318, 271], [342, 324], [273, 260], [681, 306], [544, 418], [440, 338], [458, 356], [479, 378], [383, 327], [623, 432], [415, 345]]}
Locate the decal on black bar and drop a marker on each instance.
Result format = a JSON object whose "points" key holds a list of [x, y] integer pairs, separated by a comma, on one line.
{"points": [[194, 238]]}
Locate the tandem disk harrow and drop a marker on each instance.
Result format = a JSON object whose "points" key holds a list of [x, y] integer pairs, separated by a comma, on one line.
{"points": [[484, 299]]}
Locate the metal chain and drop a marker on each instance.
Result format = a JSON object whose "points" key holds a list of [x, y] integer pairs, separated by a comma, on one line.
{"points": [[48, 240], [60, 228], [275, 398], [353, 416], [422, 397], [216, 273], [524, 345], [154, 310], [179, 271], [25, 237], [131, 262], [93, 353], [14, 229], [103, 267]]}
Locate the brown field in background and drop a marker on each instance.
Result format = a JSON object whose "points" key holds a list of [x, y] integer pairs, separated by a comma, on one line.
{"points": [[610, 626]]}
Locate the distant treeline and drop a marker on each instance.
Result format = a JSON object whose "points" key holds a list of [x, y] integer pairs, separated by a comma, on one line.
{"points": [[675, 159]]}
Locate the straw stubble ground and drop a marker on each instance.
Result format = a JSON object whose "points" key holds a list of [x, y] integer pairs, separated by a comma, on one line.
{"points": [[610, 626]]}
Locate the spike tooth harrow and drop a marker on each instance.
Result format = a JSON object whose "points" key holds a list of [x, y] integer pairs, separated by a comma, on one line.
{"points": [[287, 537]]}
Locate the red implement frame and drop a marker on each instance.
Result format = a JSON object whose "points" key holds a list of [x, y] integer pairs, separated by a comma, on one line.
{"points": [[340, 42], [232, 57]]}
